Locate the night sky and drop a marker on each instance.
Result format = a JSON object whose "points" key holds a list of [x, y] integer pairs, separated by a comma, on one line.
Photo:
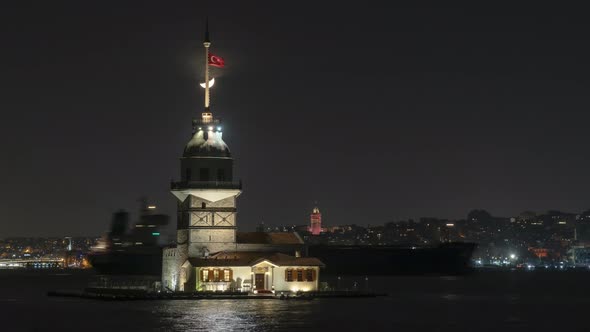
{"points": [[378, 113]]}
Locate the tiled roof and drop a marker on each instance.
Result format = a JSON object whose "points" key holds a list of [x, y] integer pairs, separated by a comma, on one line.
{"points": [[285, 238], [241, 258]]}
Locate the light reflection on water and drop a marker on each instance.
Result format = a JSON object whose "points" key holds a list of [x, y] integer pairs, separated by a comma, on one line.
{"points": [[274, 315], [234, 315]]}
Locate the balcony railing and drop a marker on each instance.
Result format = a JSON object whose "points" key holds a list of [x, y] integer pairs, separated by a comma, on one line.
{"points": [[206, 185]]}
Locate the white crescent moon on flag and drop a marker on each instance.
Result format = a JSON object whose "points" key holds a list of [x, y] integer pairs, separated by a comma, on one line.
{"points": [[211, 82]]}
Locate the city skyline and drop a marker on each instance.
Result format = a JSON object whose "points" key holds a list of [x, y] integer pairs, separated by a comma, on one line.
{"points": [[380, 114]]}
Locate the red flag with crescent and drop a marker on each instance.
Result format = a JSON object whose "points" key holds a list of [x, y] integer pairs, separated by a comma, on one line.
{"points": [[216, 61]]}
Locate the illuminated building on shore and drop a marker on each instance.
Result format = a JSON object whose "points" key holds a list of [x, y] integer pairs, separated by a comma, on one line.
{"points": [[210, 254], [315, 227]]}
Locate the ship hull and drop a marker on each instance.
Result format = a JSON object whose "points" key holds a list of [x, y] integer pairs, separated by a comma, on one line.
{"points": [[448, 259], [128, 263]]}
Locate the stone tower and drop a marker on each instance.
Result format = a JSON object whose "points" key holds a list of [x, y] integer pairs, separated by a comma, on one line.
{"points": [[315, 227], [206, 192]]}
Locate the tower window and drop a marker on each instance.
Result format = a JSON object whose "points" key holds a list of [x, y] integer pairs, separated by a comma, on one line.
{"points": [[188, 174], [220, 174], [203, 205], [204, 174]]}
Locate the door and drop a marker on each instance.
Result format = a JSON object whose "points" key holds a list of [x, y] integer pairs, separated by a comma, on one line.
{"points": [[259, 280]]}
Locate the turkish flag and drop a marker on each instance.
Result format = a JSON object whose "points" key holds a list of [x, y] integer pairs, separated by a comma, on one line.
{"points": [[216, 61]]}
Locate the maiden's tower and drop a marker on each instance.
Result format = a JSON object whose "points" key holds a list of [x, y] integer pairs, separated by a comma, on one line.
{"points": [[210, 254]]}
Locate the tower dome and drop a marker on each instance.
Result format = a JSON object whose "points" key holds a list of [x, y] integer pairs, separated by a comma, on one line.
{"points": [[207, 142]]}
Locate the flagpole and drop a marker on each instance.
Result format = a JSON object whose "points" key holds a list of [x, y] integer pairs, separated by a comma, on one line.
{"points": [[207, 43]]}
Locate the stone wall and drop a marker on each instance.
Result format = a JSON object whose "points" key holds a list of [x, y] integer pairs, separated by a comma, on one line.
{"points": [[214, 240], [170, 269], [281, 285], [197, 202]]}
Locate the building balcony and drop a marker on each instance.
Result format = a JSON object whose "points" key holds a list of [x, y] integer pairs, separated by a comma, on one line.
{"points": [[208, 120], [206, 185]]}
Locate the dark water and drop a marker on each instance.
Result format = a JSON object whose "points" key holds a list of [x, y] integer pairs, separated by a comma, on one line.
{"points": [[485, 301]]}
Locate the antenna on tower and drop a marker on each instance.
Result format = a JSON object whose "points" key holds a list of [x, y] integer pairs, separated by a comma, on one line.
{"points": [[206, 40], [207, 116]]}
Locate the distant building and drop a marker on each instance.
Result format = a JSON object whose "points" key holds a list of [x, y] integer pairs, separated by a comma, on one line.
{"points": [[579, 255], [315, 227]]}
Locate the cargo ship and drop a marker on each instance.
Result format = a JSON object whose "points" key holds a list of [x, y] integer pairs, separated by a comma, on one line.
{"points": [[134, 251], [446, 258]]}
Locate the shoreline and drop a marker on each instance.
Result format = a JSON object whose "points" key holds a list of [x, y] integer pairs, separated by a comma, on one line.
{"points": [[127, 295]]}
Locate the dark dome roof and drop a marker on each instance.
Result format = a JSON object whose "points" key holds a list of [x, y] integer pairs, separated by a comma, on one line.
{"points": [[206, 144]]}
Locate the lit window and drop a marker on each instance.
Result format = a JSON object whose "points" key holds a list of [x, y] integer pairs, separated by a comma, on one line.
{"points": [[205, 275], [226, 275], [215, 275]]}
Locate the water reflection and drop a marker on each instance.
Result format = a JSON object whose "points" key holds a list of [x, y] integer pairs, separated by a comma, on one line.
{"points": [[234, 315], [481, 302]]}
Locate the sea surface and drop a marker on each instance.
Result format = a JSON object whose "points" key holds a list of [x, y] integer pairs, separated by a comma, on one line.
{"points": [[482, 301]]}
